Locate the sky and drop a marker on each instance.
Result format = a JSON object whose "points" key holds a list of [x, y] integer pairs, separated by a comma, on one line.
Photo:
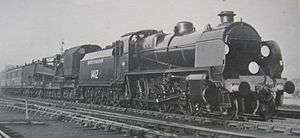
{"points": [[31, 29]]}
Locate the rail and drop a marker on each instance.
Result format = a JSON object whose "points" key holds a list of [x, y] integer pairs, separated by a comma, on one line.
{"points": [[281, 125], [90, 118]]}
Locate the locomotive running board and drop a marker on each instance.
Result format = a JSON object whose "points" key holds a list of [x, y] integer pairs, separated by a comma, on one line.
{"points": [[177, 70]]}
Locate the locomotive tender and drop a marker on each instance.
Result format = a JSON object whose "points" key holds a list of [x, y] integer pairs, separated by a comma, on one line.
{"points": [[225, 70]]}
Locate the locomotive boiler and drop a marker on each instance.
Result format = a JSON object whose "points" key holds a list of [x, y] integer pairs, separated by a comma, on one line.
{"points": [[226, 71]]}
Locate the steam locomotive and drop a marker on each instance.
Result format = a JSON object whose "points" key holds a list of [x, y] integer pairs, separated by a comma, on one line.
{"points": [[225, 71]]}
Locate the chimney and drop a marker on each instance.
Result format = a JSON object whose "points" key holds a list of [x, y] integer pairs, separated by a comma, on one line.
{"points": [[227, 16]]}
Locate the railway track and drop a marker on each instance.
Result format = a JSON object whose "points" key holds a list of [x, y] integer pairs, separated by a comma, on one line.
{"points": [[82, 119], [139, 125], [163, 121], [275, 124]]}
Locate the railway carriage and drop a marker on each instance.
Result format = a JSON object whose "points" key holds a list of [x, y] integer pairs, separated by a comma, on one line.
{"points": [[34, 76]]}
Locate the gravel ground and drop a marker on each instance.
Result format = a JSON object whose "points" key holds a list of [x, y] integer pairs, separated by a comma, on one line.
{"points": [[53, 129], [259, 133]]}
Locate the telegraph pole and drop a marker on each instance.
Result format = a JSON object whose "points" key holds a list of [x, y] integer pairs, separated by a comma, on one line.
{"points": [[61, 44]]}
